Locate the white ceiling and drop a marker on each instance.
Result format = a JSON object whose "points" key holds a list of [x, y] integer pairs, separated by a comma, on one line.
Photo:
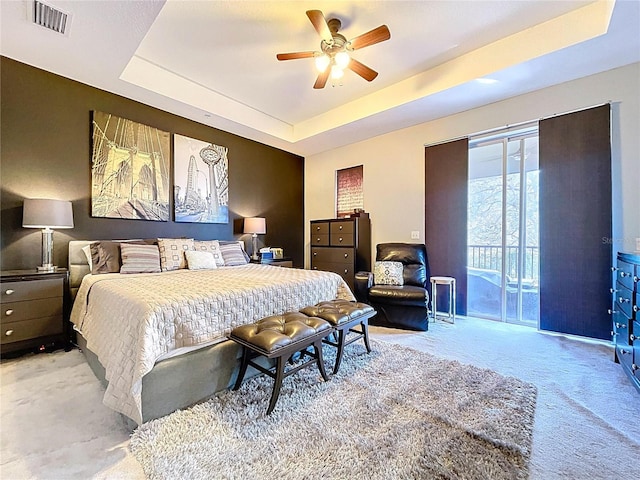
{"points": [[215, 61]]}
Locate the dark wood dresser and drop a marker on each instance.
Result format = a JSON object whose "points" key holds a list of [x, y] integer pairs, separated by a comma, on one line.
{"points": [[626, 319], [33, 309], [341, 245]]}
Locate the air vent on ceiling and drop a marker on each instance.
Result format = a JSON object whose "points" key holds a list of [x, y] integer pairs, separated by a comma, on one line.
{"points": [[52, 18]]}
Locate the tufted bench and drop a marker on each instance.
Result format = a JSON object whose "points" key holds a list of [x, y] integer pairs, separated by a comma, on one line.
{"points": [[279, 337], [343, 316]]}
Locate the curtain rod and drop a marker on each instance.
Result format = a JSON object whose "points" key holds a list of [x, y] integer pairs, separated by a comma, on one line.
{"points": [[513, 125]]}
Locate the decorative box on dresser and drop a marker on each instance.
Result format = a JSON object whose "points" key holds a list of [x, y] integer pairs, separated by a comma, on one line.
{"points": [[626, 319], [33, 309], [342, 245]]}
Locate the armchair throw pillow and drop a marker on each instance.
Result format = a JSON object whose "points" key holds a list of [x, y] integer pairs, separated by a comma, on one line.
{"points": [[388, 273]]}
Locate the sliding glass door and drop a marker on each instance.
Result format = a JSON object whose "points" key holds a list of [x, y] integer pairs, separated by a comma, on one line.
{"points": [[502, 230]]}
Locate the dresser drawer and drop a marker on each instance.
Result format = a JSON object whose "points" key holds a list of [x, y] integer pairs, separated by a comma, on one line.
{"points": [[624, 299], [342, 269], [29, 329], [320, 239], [342, 240], [342, 228], [621, 328], [44, 307], [32, 289], [320, 228], [335, 255], [625, 274], [635, 343]]}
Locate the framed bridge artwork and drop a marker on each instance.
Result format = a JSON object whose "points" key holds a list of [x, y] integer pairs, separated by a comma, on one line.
{"points": [[201, 181], [129, 169]]}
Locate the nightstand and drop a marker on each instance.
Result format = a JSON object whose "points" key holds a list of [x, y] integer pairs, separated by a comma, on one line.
{"points": [[280, 262], [34, 312]]}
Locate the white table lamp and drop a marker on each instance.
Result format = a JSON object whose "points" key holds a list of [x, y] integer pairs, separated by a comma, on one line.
{"points": [[255, 226], [47, 214]]}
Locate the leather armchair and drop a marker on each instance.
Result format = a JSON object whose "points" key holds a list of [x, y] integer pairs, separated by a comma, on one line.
{"points": [[403, 306]]}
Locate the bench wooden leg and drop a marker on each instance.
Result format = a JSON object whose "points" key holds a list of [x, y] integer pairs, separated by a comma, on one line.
{"points": [[276, 384], [365, 330], [243, 368], [341, 337], [317, 345]]}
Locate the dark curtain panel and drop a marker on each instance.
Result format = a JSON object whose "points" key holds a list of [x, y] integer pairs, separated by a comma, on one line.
{"points": [[446, 179], [575, 223]]}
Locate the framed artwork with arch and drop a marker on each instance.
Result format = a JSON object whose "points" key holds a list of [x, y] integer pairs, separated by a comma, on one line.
{"points": [[129, 169]]}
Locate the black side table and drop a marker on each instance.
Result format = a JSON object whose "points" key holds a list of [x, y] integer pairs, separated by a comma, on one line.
{"points": [[34, 309]]}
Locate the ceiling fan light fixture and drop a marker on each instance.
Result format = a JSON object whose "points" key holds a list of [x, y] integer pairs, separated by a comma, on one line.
{"points": [[336, 72], [342, 59], [322, 62]]}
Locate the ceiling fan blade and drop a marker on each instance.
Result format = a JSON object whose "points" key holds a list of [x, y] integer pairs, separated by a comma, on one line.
{"points": [[372, 37], [320, 24], [295, 55], [362, 70], [321, 81]]}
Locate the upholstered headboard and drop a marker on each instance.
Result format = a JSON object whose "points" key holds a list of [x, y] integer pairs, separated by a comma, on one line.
{"points": [[78, 265]]}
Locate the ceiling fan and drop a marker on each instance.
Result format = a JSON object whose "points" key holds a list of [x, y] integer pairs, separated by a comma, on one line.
{"points": [[334, 55]]}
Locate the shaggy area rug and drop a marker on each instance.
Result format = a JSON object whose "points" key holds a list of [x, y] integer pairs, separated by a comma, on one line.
{"points": [[393, 414]]}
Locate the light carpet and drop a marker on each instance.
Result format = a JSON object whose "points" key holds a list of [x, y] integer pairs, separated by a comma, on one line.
{"points": [[394, 413]]}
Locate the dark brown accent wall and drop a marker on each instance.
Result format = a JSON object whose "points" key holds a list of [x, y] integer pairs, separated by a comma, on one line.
{"points": [[445, 212], [45, 152]]}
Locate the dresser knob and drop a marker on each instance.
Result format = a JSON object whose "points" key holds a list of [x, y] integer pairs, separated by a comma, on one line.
{"points": [[318, 239], [620, 325], [625, 352], [8, 292], [346, 255], [318, 229], [613, 269], [8, 312], [613, 290], [634, 367], [623, 300], [8, 333], [340, 227], [315, 254], [632, 337], [611, 312], [624, 274], [346, 271], [340, 239], [635, 308]]}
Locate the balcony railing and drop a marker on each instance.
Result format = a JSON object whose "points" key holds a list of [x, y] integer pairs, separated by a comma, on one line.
{"points": [[489, 257]]}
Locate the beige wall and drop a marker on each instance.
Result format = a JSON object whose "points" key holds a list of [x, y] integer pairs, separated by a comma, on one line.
{"points": [[394, 163]]}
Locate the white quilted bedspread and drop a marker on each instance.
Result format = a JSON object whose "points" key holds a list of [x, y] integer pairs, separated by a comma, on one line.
{"points": [[129, 321]]}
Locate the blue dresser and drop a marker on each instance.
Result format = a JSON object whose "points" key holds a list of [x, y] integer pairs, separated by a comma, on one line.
{"points": [[626, 319]]}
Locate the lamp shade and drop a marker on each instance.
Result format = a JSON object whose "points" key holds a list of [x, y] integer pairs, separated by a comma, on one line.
{"points": [[255, 225], [47, 213]]}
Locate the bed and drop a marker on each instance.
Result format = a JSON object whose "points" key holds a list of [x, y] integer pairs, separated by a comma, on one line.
{"points": [[158, 341]]}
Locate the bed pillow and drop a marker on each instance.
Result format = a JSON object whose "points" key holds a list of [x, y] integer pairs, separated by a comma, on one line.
{"points": [[200, 260], [388, 273], [211, 246], [233, 254], [105, 257], [139, 258], [172, 252], [87, 253], [239, 242]]}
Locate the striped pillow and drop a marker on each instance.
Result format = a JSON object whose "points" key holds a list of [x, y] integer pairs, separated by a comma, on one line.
{"points": [[139, 258], [233, 254]]}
